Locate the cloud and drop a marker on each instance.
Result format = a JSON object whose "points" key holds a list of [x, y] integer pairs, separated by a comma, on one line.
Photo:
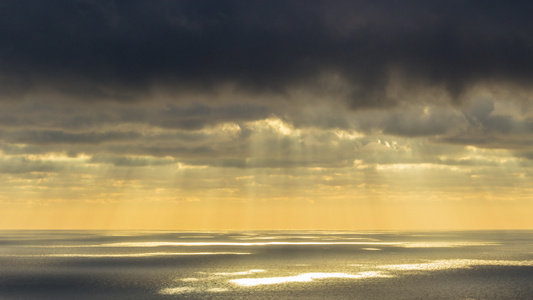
{"points": [[242, 84], [121, 161], [44, 137], [20, 165], [122, 50], [58, 115], [485, 126]]}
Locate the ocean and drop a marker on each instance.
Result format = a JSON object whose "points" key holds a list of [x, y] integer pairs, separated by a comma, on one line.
{"points": [[266, 265]]}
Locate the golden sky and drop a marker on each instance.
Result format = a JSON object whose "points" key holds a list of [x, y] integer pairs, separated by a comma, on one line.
{"points": [[216, 116], [277, 177]]}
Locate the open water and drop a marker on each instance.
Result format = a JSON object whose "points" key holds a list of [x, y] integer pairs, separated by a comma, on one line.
{"points": [[266, 265]]}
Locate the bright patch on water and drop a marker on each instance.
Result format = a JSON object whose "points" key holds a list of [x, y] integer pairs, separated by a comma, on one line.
{"points": [[342, 242], [217, 290], [248, 244], [188, 279], [455, 264], [267, 265], [135, 254], [307, 277], [445, 244], [177, 290], [238, 273]]}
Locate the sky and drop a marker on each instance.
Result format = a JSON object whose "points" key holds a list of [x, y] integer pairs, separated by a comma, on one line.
{"points": [[251, 115]]}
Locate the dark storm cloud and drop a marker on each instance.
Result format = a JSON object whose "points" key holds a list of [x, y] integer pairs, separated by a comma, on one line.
{"points": [[95, 49], [414, 123], [482, 118], [487, 128]]}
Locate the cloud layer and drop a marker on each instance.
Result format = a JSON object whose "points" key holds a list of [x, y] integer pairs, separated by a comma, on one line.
{"points": [[351, 49]]}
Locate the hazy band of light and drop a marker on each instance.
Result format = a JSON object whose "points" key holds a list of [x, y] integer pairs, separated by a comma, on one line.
{"points": [[188, 279], [216, 290], [255, 244], [177, 290], [328, 237], [186, 289], [159, 244], [248, 244], [238, 273], [446, 244], [455, 264], [137, 254]]}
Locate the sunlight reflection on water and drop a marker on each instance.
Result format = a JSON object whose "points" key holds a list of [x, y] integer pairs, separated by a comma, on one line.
{"points": [[446, 244], [243, 244], [379, 271], [177, 290], [455, 264], [134, 254], [238, 273], [306, 277], [230, 265]]}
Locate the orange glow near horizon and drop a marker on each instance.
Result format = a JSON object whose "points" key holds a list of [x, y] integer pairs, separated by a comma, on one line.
{"points": [[379, 194], [237, 214]]}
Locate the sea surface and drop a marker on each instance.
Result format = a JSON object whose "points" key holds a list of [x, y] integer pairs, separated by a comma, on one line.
{"points": [[266, 265]]}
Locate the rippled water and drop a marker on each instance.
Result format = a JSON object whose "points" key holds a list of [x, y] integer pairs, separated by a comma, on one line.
{"points": [[267, 265]]}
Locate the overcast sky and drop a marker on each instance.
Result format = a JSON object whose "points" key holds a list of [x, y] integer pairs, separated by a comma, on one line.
{"points": [[266, 115]]}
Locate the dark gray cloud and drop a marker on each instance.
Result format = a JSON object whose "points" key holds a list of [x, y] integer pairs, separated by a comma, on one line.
{"points": [[486, 128], [197, 116], [58, 116], [188, 80], [93, 49], [21, 165], [45, 137]]}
